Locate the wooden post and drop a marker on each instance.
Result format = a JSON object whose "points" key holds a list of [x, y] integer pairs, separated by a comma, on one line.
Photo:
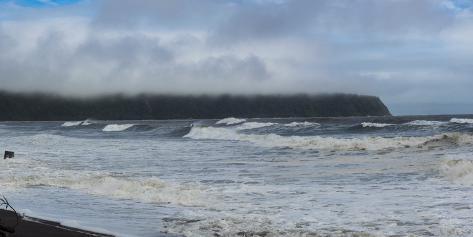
{"points": [[8, 154]]}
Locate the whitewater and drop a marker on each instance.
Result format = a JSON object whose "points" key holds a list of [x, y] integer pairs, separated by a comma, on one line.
{"points": [[358, 176]]}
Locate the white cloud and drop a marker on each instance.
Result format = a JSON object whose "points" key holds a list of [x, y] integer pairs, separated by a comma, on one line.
{"points": [[398, 49]]}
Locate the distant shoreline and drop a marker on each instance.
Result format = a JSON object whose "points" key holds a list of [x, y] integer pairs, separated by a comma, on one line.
{"points": [[42, 107], [367, 118]]}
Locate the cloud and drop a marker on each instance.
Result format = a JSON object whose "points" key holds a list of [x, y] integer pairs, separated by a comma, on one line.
{"points": [[401, 50], [54, 56], [162, 14]]}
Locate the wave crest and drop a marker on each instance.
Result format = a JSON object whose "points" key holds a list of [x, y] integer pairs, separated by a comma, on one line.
{"points": [[375, 125], [76, 123], [461, 120], [329, 143], [86, 122], [458, 171], [253, 125], [302, 124], [117, 127], [230, 121], [150, 190], [71, 123], [425, 123]]}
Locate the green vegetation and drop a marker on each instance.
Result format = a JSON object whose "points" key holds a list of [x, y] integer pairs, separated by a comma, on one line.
{"points": [[35, 107]]}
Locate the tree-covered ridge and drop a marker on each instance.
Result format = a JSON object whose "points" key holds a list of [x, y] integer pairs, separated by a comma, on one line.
{"points": [[35, 107]]}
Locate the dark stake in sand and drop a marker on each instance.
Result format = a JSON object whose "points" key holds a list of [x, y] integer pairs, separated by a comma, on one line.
{"points": [[8, 154]]}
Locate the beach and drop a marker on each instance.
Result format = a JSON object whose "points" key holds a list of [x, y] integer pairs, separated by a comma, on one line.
{"points": [[34, 227]]}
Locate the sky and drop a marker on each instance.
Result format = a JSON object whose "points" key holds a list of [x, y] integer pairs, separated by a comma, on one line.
{"points": [[416, 55]]}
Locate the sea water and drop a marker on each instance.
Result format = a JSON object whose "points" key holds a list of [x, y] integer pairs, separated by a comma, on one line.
{"points": [[360, 176]]}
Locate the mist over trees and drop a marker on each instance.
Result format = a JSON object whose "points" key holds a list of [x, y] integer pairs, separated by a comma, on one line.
{"points": [[36, 107]]}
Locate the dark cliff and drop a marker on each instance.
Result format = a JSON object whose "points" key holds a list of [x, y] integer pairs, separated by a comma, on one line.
{"points": [[33, 107]]}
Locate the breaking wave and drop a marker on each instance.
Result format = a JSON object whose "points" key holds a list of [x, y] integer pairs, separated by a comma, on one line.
{"points": [[149, 190], [71, 123], [253, 125], [458, 170], [375, 125], [461, 120], [86, 123], [425, 123], [329, 143], [302, 124], [76, 123], [117, 127], [231, 121]]}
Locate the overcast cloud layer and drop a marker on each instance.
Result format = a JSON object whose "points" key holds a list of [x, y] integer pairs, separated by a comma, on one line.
{"points": [[417, 55]]}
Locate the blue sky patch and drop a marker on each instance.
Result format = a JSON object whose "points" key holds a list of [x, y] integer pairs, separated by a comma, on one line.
{"points": [[463, 3], [41, 3]]}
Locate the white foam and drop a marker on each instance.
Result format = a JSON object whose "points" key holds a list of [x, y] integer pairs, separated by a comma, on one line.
{"points": [[458, 169], [253, 125], [86, 123], [71, 123], [149, 190], [425, 123], [117, 127], [461, 120], [252, 225], [325, 143], [76, 123], [231, 121], [375, 125], [302, 124]]}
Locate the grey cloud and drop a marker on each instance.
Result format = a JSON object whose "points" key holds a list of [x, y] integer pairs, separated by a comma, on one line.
{"points": [[158, 14], [5, 40], [273, 19], [125, 50], [130, 63], [397, 49], [395, 16], [228, 68], [325, 19]]}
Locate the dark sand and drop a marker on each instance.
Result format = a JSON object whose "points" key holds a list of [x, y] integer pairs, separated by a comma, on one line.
{"points": [[29, 226]]}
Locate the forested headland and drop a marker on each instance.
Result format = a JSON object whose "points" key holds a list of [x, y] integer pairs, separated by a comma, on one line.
{"points": [[44, 107]]}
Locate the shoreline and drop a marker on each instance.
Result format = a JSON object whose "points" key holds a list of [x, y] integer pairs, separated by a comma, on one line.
{"points": [[31, 226]]}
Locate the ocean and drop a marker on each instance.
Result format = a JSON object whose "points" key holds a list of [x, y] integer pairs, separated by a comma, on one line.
{"points": [[357, 176]]}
